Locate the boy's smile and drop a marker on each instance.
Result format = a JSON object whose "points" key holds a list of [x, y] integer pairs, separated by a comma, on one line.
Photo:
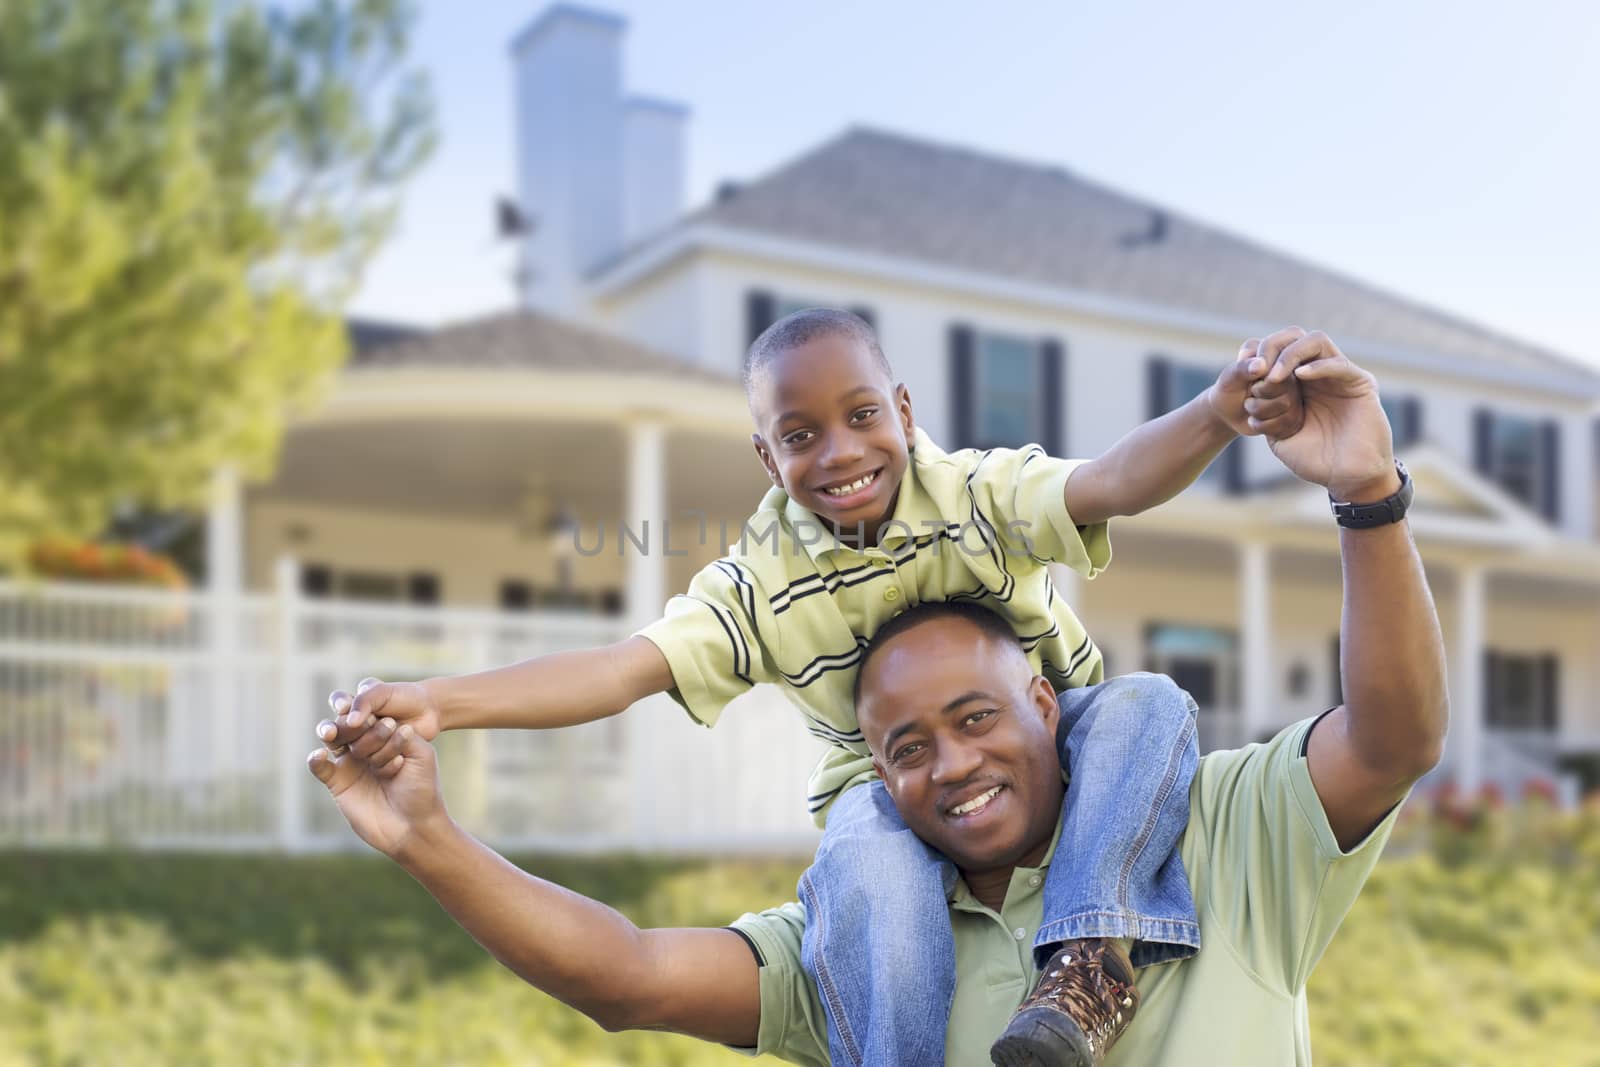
{"points": [[834, 432]]}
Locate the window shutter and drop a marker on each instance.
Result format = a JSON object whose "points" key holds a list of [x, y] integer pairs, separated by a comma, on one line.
{"points": [[1158, 387], [1482, 440], [1550, 470], [1338, 676], [864, 313], [1052, 380], [1412, 417], [962, 380], [760, 311], [1232, 460], [1491, 688], [1550, 693]]}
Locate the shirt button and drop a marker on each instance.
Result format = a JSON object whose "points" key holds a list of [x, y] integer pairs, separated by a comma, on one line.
{"points": [[1020, 933], [891, 594], [1034, 880]]}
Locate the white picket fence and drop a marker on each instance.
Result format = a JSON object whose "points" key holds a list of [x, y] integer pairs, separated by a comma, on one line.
{"points": [[159, 719]]}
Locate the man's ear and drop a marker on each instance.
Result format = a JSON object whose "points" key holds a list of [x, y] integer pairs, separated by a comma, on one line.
{"points": [[902, 406], [765, 456], [1043, 695]]}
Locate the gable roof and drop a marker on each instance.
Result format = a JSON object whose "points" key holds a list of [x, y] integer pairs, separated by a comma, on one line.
{"points": [[526, 339], [888, 194]]}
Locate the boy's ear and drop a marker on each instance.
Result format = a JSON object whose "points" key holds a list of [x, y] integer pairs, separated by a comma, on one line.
{"points": [[767, 462], [902, 405]]}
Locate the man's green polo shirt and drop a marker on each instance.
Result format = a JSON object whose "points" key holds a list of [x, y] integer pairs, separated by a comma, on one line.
{"points": [[1271, 886], [793, 606]]}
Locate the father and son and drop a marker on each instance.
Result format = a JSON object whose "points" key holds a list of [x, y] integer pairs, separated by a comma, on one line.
{"points": [[1037, 867]]}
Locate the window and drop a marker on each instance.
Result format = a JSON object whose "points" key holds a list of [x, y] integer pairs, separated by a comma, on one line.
{"points": [[1405, 418], [1171, 385], [762, 308], [1522, 691], [515, 595], [1522, 456], [1005, 391], [1007, 401], [368, 585], [1202, 659]]}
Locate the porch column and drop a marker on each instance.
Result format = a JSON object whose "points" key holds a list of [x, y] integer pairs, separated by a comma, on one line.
{"points": [[1467, 696], [1256, 668], [1069, 586], [224, 535], [645, 594], [224, 589], [645, 515]]}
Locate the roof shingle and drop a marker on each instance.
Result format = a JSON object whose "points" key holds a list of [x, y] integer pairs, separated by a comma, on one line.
{"points": [[888, 194]]}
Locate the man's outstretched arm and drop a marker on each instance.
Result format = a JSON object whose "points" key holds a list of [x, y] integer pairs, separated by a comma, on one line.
{"points": [[701, 982], [1366, 754]]}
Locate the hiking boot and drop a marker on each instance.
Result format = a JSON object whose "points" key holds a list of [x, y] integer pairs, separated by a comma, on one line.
{"points": [[1084, 1000]]}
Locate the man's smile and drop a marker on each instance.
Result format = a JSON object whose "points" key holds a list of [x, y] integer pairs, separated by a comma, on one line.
{"points": [[973, 804]]}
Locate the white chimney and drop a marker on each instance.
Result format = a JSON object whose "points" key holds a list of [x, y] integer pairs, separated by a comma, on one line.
{"points": [[652, 165], [568, 71]]}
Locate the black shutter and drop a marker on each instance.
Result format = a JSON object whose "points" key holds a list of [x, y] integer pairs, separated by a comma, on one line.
{"points": [[1482, 440], [963, 356], [1232, 460], [1490, 710], [760, 311], [1550, 470], [1338, 674], [1052, 380], [864, 313], [1158, 387], [1411, 416], [1550, 693]]}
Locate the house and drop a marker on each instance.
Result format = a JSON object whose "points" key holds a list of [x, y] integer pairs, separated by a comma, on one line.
{"points": [[482, 492]]}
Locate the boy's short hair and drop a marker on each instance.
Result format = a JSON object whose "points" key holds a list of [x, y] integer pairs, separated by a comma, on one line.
{"points": [[805, 325], [989, 623]]}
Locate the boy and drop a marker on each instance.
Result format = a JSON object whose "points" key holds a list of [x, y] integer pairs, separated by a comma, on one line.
{"points": [[867, 517]]}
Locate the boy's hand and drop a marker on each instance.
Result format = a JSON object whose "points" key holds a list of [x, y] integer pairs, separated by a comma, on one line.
{"points": [[389, 804], [1249, 403], [400, 703]]}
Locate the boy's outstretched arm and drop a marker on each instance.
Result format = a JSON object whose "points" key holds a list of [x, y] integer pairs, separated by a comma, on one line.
{"points": [[560, 689], [1159, 459]]}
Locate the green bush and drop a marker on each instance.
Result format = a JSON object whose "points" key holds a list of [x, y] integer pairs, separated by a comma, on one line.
{"points": [[1477, 942]]}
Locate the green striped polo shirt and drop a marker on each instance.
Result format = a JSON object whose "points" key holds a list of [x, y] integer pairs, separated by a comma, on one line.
{"points": [[794, 606]]}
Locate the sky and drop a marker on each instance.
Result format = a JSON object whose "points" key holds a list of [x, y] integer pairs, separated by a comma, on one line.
{"points": [[1449, 152]]}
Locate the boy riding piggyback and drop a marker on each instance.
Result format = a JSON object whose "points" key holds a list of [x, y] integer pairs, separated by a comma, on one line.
{"points": [[867, 517]]}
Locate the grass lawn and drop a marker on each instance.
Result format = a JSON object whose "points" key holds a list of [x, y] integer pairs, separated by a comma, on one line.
{"points": [[1477, 942]]}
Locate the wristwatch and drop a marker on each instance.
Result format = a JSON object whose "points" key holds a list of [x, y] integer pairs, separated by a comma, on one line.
{"points": [[1389, 509]]}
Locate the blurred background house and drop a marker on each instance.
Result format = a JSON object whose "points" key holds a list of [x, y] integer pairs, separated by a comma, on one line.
{"points": [[460, 500]]}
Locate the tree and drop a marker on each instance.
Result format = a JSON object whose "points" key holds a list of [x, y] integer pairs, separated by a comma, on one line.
{"points": [[189, 192]]}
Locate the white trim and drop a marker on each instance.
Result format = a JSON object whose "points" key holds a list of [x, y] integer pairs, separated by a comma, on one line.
{"points": [[638, 264], [382, 394]]}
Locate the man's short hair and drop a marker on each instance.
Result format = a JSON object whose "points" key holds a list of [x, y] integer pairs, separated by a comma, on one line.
{"points": [[992, 626], [808, 324]]}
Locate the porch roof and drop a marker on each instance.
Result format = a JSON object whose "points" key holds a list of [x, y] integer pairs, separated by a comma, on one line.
{"points": [[527, 340]]}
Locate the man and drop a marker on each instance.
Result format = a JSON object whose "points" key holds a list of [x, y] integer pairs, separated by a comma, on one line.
{"points": [[1280, 837]]}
